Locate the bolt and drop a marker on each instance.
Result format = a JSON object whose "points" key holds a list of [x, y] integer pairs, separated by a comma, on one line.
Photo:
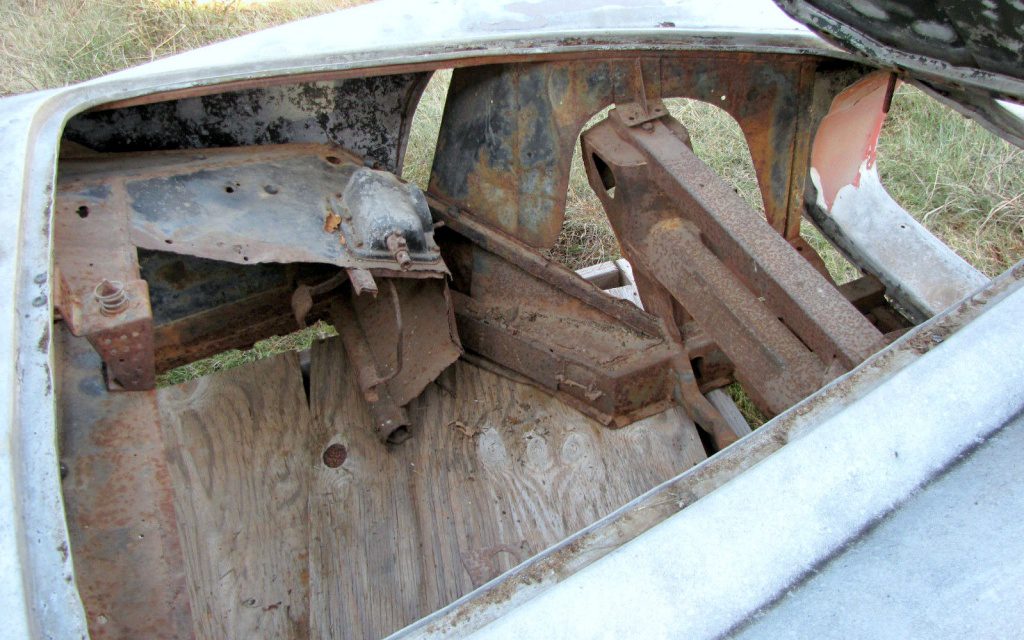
{"points": [[648, 126], [399, 248], [112, 297], [38, 301], [403, 259], [936, 339]]}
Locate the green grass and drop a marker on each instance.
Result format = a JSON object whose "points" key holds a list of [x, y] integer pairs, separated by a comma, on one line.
{"points": [[960, 181], [963, 183], [296, 341]]}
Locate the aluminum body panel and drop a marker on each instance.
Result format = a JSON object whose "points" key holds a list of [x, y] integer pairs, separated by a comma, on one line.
{"points": [[851, 207], [36, 578]]}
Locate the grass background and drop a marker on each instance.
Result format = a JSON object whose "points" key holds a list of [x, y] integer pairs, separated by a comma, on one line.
{"points": [[963, 183]]}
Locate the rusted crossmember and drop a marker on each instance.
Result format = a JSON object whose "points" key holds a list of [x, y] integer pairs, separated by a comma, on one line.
{"points": [[784, 326], [523, 313]]}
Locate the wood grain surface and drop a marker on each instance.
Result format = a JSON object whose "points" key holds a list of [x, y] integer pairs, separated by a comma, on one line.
{"points": [[296, 521], [238, 446], [495, 472]]}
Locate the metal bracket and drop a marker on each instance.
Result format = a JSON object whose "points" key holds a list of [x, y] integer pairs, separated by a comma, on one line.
{"points": [[784, 326], [635, 114], [116, 319], [99, 292]]}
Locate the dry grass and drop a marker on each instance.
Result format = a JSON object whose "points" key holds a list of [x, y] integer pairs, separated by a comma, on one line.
{"points": [[426, 124], [51, 43]]}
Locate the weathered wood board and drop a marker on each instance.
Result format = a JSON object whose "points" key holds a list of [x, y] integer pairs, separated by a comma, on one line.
{"points": [[496, 472], [279, 543], [239, 458]]}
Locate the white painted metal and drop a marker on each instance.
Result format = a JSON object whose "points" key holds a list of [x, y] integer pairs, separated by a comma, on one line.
{"points": [[880, 236]]}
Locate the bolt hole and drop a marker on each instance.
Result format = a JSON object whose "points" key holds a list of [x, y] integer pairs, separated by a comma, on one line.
{"points": [[83, 211], [335, 455], [271, 189], [333, 159], [229, 189], [169, 241], [903, 226], [245, 258]]}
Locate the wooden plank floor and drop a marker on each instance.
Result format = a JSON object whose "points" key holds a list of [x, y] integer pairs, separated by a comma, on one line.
{"points": [[496, 472], [238, 452]]}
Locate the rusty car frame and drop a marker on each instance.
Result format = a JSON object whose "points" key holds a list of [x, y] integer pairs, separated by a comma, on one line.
{"points": [[128, 226]]}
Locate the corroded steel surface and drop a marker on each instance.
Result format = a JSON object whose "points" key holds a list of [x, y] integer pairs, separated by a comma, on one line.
{"points": [[545, 322], [93, 251], [124, 540], [785, 327], [509, 131], [760, 257], [399, 342], [371, 116], [282, 203]]}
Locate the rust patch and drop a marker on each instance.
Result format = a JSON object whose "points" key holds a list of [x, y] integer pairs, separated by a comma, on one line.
{"points": [[335, 455]]}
